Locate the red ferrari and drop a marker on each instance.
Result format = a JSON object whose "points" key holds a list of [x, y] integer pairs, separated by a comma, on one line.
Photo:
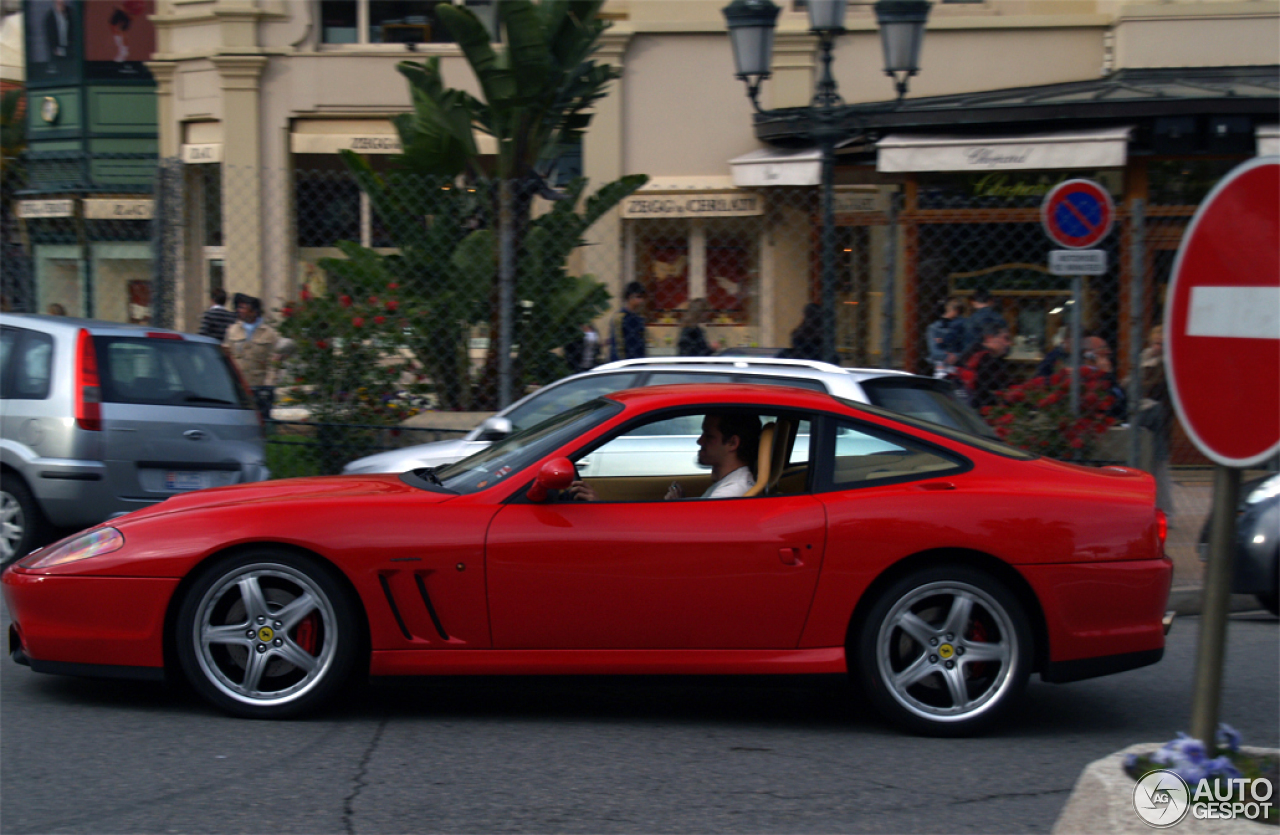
{"points": [[939, 569]]}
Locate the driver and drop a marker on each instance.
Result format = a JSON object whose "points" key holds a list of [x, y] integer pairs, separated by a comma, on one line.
{"points": [[728, 445]]}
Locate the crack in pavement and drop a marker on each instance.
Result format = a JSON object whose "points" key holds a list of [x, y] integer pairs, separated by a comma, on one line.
{"points": [[349, 802]]}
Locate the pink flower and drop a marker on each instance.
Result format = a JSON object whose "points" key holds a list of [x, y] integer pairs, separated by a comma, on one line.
{"points": [[345, 301]]}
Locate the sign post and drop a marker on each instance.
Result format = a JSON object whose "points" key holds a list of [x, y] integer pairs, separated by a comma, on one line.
{"points": [[1077, 214], [1222, 352]]}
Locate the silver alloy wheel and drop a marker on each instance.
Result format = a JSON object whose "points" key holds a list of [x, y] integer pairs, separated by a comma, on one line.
{"points": [[13, 525], [247, 634], [946, 651]]}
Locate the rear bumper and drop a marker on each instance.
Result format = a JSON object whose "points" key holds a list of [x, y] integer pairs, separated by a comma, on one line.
{"points": [[1103, 610]]}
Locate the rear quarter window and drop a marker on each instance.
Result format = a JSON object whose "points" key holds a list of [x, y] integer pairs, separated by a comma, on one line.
{"points": [[170, 372], [26, 364]]}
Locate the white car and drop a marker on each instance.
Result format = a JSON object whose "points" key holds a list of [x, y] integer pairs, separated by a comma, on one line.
{"points": [[921, 397]]}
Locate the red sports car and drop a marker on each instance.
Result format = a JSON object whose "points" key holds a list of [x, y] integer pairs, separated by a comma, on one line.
{"points": [[938, 568]]}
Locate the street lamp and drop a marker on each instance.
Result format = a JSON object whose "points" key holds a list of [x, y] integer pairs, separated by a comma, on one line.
{"points": [[751, 24]]}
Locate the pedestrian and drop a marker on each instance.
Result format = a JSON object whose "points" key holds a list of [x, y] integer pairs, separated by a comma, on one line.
{"points": [[1155, 414], [1096, 354], [806, 339], [217, 318], [984, 371], [1058, 356], [943, 337], [583, 353], [55, 309], [984, 313], [693, 339], [627, 328], [256, 347]]}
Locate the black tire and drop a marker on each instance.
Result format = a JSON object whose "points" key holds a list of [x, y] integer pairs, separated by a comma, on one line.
{"points": [[308, 650], [22, 524], [944, 651]]}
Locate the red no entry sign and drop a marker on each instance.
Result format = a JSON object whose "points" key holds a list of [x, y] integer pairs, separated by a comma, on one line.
{"points": [[1077, 214], [1222, 319]]}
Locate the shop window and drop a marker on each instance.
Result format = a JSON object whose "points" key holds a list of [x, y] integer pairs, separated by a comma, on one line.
{"points": [[664, 267], [363, 22], [728, 287], [1185, 182], [330, 205]]}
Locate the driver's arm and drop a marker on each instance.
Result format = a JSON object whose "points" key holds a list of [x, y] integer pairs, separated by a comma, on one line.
{"points": [[580, 491]]}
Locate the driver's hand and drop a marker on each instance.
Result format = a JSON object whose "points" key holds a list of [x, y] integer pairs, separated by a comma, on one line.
{"points": [[580, 491], [675, 491]]}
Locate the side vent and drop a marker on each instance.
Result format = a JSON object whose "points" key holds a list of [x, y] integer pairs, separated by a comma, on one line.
{"points": [[395, 610], [431, 610]]}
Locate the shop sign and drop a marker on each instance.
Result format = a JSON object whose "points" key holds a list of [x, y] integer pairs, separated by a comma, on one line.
{"points": [[203, 153], [702, 204], [849, 202], [30, 209], [108, 209], [331, 143]]}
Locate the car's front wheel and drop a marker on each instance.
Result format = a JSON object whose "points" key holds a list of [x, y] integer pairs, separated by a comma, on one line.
{"points": [[944, 650], [267, 635]]}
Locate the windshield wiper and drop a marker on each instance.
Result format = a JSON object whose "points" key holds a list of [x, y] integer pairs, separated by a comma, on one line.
{"points": [[429, 473]]}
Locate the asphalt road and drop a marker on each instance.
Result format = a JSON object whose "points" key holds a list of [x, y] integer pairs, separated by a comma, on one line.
{"points": [[595, 755]]}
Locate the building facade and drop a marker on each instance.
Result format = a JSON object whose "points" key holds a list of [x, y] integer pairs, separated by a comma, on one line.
{"points": [[257, 98]]}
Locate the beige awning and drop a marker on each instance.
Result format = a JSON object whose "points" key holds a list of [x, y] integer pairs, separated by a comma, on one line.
{"points": [[1088, 149], [773, 167]]}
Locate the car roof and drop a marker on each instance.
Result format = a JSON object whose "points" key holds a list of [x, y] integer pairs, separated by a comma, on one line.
{"points": [[70, 325], [777, 365], [711, 394]]}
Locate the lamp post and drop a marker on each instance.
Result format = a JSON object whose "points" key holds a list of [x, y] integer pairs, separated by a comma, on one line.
{"points": [[751, 24]]}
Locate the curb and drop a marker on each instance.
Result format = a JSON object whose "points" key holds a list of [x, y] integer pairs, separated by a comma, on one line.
{"points": [[1102, 801]]}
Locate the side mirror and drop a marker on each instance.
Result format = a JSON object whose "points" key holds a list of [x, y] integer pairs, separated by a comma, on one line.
{"points": [[494, 429], [556, 474]]}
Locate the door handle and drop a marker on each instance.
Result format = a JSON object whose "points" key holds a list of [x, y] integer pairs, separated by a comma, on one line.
{"points": [[936, 485], [789, 556]]}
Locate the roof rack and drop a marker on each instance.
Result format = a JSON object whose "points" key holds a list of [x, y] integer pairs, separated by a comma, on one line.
{"points": [[738, 362]]}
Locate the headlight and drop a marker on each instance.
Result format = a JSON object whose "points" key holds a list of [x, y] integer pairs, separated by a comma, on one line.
{"points": [[1268, 489], [94, 543]]}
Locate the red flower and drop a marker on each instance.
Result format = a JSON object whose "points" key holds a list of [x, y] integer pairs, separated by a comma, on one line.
{"points": [[357, 322], [306, 294], [393, 286], [286, 311], [345, 301], [392, 306], [1077, 443], [373, 300], [378, 320], [322, 345]]}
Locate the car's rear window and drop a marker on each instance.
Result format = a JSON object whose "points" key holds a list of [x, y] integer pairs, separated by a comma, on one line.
{"points": [[909, 396], [170, 372]]}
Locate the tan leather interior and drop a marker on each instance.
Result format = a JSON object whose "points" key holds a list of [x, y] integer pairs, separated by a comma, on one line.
{"points": [[764, 461]]}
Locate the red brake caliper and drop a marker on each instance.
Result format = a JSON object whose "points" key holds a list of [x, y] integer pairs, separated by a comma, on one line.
{"points": [[305, 637], [977, 634]]}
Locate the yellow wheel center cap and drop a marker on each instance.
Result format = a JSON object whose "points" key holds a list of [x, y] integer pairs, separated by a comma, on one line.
{"points": [[265, 634], [946, 651]]}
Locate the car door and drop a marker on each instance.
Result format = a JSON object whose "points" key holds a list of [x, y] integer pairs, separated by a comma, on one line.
{"points": [[691, 574]]}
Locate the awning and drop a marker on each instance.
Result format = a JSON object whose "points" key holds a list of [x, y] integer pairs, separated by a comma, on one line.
{"points": [[1089, 149], [773, 167], [1268, 140], [371, 136]]}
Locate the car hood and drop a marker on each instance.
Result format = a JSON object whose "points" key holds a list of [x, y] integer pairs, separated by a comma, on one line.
{"points": [[292, 490], [408, 458]]}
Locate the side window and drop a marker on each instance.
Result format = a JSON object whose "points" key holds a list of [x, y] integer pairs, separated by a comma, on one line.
{"points": [[567, 395], [8, 348], [864, 456], [32, 365], [775, 380], [670, 378], [662, 448]]}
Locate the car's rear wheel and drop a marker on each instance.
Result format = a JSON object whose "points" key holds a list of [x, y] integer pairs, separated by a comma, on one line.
{"points": [[267, 635], [944, 651], [22, 525]]}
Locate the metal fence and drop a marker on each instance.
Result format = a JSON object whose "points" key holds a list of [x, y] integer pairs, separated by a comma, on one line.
{"points": [[393, 292]]}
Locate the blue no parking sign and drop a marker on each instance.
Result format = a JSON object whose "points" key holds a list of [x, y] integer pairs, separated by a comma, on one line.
{"points": [[1077, 214]]}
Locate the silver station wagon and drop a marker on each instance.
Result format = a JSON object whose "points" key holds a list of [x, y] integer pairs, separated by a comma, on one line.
{"points": [[98, 419]]}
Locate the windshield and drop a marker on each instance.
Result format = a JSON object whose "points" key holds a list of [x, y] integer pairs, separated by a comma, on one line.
{"points": [[983, 443], [517, 451], [931, 403]]}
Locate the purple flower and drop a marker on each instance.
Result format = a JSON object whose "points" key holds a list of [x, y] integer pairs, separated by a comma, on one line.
{"points": [[1222, 767], [1192, 773], [1188, 749], [1130, 761], [1228, 737]]}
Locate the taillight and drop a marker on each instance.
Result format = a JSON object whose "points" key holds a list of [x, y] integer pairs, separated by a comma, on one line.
{"points": [[88, 391], [1162, 526]]}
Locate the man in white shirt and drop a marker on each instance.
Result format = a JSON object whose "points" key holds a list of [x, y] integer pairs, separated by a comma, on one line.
{"points": [[728, 445]]}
